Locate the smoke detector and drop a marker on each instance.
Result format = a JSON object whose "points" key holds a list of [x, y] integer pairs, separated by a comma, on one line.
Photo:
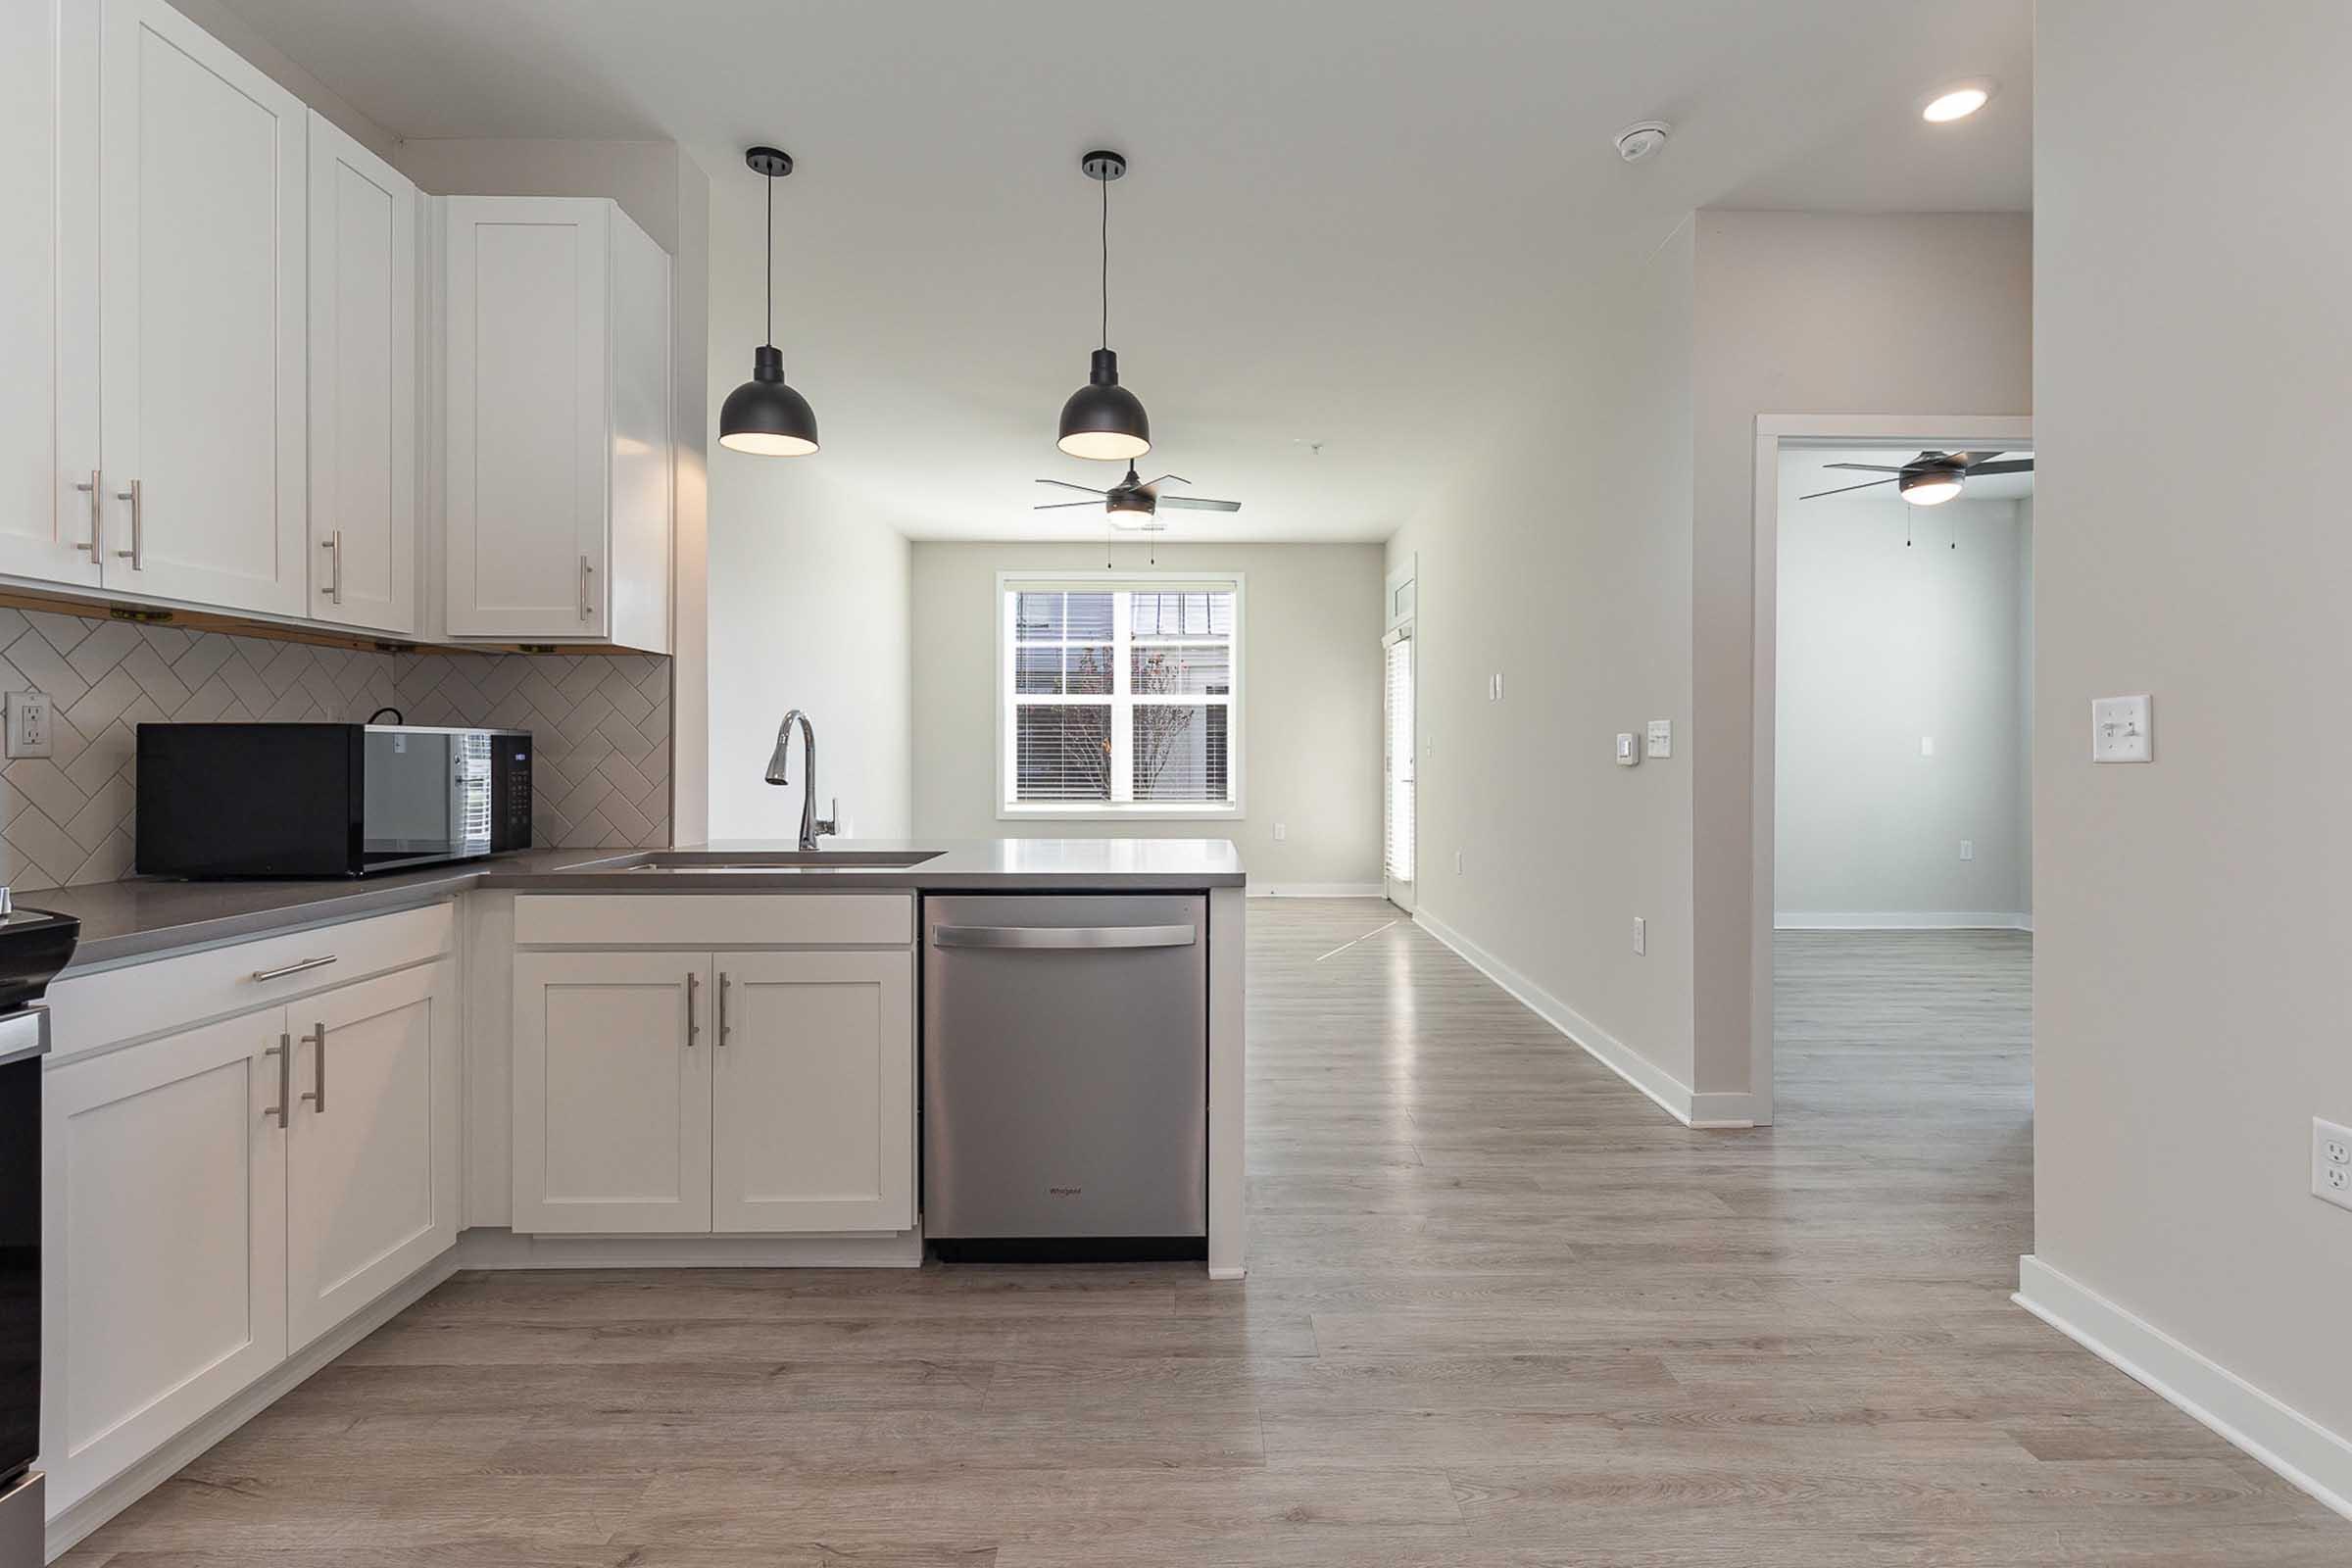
{"points": [[1642, 138]]}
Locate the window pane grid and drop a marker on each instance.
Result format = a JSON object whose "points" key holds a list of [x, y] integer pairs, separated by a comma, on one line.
{"points": [[1120, 697]]}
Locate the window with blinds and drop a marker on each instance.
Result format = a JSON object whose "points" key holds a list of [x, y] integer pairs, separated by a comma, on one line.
{"points": [[1120, 697]]}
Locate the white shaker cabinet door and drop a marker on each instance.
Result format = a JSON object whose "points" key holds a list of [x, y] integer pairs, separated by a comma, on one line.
{"points": [[165, 1211], [202, 234], [814, 1096], [363, 386], [371, 1157], [528, 352], [48, 393], [612, 1092]]}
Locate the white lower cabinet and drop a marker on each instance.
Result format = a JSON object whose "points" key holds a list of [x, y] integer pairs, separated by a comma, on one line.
{"points": [[219, 1198], [165, 1178], [371, 1166], [813, 1113], [739, 1092], [612, 1092]]}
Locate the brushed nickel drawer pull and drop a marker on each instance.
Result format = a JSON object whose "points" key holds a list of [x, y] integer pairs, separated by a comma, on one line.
{"points": [[693, 981], [136, 554], [332, 544], [295, 968], [723, 1025], [95, 489]]}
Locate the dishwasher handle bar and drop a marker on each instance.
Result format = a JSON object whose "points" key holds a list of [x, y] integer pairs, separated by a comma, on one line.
{"points": [[1088, 937]]}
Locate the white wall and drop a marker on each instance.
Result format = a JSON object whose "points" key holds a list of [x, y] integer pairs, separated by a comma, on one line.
{"points": [[1884, 645], [807, 586], [1310, 703], [1810, 312], [2190, 995], [1562, 559]]}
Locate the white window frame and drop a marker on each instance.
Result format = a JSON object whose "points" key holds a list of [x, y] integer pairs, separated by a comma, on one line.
{"points": [[1236, 728]]}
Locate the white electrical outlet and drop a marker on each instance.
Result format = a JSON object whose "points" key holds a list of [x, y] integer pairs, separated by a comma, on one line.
{"points": [[1968, 848], [1281, 832], [1640, 936], [1927, 745], [28, 731], [2331, 1162]]}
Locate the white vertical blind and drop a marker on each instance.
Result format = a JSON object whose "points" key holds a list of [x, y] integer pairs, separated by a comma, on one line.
{"points": [[1398, 850]]}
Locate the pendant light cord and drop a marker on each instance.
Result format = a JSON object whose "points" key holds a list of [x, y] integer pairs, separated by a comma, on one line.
{"points": [[771, 260], [1106, 262]]}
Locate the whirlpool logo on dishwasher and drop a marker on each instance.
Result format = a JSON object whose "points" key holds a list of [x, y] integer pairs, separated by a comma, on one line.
{"points": [[1063, 1191]]}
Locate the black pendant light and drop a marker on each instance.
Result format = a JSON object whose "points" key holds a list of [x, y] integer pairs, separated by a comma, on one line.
{"points": [[763, 417], [1102, 419]]}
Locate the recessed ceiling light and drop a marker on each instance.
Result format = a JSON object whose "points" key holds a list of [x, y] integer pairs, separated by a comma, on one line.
{"points": [[1957, 102]]}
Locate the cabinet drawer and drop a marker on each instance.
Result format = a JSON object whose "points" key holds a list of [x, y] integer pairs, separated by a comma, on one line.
{"points": [[88, 1012], [716, 919]]}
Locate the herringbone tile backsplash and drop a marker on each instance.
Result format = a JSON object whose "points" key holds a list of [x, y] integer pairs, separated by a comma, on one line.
{"points": [[601, 724]]}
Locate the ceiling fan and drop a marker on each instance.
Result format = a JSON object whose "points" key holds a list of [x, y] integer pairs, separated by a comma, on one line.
{"points": [[1133, 503], [1931, 478]]}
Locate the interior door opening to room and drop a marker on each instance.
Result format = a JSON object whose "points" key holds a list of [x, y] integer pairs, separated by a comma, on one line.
{"points": [[1894, 742]]}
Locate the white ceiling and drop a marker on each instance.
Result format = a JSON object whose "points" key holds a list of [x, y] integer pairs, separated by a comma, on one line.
{"points": [[1810, 468], [1343, 218]]}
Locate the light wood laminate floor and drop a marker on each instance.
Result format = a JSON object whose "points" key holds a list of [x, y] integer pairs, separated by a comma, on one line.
{"points": [[1500, 1312]]}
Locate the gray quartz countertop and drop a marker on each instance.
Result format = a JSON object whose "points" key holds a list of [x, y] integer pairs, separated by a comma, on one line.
{"points": [[142, 918]]}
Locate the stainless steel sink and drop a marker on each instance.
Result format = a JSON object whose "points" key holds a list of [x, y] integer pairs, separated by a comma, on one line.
{"points": [[740, 861]]}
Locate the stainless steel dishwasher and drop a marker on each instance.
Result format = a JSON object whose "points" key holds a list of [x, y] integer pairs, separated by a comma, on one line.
{"points": [[1065, 1075]]}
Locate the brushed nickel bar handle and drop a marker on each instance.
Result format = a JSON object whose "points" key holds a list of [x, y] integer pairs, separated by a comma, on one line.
{"points": [[587, 589], [96, 491], [332, 544], [284, 1051], [1038, 937], [693, 1029], [135, 555], [318, 1097], [295, 968], [723, 1025]]}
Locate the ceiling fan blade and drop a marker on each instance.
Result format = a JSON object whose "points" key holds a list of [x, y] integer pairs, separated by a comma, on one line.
{"points": [[1165, 478], [1067, 485], [2011, 466], [1198, 503], [1867, 484], [1056, 506], [1865, 467], [1970, 459]]}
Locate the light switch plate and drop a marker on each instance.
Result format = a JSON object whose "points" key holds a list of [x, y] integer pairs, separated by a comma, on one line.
{"points": [[1628, 754], [28, 732], [1927, 745], [1640, 936], [2123, 729], [1661, 737]]}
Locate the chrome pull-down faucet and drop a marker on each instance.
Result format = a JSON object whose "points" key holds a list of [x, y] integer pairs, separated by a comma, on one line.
{"points": [[811, 825]]}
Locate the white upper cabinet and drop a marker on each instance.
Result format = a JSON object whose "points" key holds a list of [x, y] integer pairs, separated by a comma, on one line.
{"points": [[556, 480], [48, 409], [363, 386], [202, 289]]}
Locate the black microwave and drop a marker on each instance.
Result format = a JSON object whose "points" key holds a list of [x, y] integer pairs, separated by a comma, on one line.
{"points": [[326, 799]]}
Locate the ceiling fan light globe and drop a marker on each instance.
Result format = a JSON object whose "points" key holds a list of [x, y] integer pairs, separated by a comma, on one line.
{"points": [[1928, 489]]}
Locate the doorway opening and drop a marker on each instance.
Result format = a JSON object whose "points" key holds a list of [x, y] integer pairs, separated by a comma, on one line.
{"points": [[1894, 891]]}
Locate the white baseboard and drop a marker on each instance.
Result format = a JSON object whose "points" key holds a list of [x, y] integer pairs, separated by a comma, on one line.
{"points": [[2302, 1451], [1317, 890], [87, 1513], [484, 1248], [1906, 920], [1678, 1098]]}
